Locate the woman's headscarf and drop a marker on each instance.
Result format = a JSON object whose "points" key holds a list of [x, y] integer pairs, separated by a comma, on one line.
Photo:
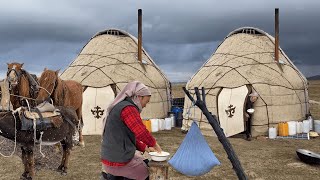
{"points": [[133, 90]]}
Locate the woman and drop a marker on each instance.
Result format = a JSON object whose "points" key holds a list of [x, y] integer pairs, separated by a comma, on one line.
{"points": [[124, 133], [249, 105]]}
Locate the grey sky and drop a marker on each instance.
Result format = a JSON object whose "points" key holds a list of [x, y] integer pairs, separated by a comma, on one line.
{"points": [[179, 35]]}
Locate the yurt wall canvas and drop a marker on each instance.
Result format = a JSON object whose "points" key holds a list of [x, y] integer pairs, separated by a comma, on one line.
{"points": [[110, 59], [246, 57]]}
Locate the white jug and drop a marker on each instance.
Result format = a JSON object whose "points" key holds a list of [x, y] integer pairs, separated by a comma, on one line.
{"points": [[272, 133], [167, 122]]}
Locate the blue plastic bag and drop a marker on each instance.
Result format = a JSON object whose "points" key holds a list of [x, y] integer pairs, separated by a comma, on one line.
{"points": [[194, 156]]}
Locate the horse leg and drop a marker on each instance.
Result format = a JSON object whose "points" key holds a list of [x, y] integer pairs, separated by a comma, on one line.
{"points": [[80, 126], [66, 146], [24, 161], [28, 161]]}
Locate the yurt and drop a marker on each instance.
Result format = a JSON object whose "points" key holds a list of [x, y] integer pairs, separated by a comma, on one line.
{"points": [[104, 66], [243, 63]]}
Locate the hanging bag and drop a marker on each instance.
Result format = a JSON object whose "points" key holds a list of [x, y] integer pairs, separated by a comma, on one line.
{"points": [[194, 156]]}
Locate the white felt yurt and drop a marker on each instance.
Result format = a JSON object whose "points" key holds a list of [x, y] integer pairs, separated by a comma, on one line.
{"points": [[104, 66], [244, 61]]}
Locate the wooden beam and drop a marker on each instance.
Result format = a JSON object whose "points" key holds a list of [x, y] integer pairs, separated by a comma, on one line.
{"points": [[140, 35], [276, 50]]}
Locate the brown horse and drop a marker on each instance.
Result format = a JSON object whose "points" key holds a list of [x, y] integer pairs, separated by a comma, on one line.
{"points": [[22, 85], [63, 93], [10, 126]]}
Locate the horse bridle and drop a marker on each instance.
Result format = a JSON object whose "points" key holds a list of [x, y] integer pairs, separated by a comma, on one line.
{"points": [[18, 74], [53, 88]]}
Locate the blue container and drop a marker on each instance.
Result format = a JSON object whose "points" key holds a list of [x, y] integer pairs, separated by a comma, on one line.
{"points": [[176, 111]]}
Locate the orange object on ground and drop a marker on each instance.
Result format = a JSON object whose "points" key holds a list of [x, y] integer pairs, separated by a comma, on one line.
{"points": [[283, 129], [147, 123]]}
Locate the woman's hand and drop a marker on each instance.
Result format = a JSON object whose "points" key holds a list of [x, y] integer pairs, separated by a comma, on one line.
{"points": [[156, 148]]}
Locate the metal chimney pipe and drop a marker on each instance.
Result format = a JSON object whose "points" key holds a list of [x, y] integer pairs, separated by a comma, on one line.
{"points": [[140, 35], [276, 50]]}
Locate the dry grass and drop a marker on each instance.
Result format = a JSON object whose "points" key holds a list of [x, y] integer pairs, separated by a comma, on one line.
{"points": [[261, 159], [177, 91]]}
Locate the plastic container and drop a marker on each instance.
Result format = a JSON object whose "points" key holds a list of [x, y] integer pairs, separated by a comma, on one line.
{"points": [[147, 123], [310, 119], [317, 126], [283, 129], [154, 125], [173, 122], [172, 116], [299, 127], [292, 127], [167, 122], [176, 110], [306, 126], [161, 124], [272, 133]]}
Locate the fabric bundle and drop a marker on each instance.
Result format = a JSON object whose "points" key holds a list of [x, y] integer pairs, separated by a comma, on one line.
{"points": [[194, 156]]}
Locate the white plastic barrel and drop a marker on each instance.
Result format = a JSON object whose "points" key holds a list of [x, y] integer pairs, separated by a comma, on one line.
{"points": [[154, 125], [317, 126], [306, 126], [161, 124], [299, 127], [173, 124], [292, 127], [272, 133], [167, 122]]}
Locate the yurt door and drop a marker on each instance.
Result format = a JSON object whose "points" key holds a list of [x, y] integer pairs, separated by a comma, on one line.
{"points": [[231, 103], [95, 102]]}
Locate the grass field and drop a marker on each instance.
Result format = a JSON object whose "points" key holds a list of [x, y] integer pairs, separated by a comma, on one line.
{"points": [[262, 159]]}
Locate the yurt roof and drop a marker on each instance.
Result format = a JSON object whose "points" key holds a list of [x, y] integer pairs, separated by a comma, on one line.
{"points": [[110, 57], [246, 56]]}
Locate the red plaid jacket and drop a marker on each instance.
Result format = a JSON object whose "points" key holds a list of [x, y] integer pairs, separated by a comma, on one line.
{"points": [[131, 117]]}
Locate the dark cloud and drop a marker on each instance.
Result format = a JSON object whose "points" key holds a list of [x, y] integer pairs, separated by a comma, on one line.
{"points": [[178, 33]]}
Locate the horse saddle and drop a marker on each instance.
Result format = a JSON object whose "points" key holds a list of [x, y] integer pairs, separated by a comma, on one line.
{"points": [[45, 116]]}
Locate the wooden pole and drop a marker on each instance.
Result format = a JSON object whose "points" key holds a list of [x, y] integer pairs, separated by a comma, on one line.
{"points": [[276, 50], [140, 35]]}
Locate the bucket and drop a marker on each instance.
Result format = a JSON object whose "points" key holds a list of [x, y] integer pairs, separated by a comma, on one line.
{"points": [[306, 126], [317, 126], [154, 125], [292, 127], [147, 123], [283, 129], [272, 133], [167, 122]]}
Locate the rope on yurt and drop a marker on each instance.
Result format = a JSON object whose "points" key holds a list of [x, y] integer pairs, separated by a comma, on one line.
{"points": [[194, 157]]}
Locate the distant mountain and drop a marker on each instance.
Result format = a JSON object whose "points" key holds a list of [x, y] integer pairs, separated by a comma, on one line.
{"points": [[179, 82], [317, 77]]}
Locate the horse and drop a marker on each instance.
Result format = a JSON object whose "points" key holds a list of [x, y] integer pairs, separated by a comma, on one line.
{"points": [[10, 128], [22, 85], [63, 93]]}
